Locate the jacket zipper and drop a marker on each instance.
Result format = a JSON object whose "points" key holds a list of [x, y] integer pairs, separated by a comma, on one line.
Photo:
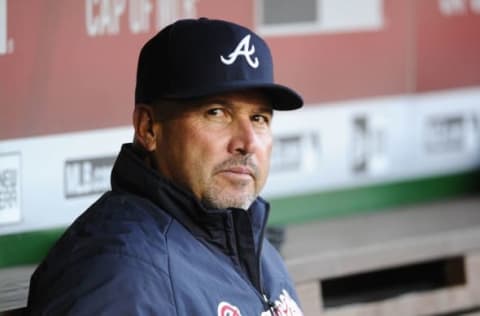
{"points": [[267, 304], [270, 304]]}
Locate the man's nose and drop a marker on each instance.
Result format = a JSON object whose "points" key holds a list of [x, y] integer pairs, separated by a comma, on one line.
{"points": [[244, 139]]}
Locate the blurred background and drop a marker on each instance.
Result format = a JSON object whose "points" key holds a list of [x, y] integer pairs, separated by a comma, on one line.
{"points": [[374, 183]]}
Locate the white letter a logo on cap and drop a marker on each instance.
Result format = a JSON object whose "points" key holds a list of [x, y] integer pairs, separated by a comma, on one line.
{"points": [[242, 49]]}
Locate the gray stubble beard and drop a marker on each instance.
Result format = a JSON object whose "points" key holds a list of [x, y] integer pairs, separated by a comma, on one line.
{"points": [[216, 198]]}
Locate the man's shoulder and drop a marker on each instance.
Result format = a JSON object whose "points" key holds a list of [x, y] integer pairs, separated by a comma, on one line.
{"points": [[125, 208], [118, 223], [123, 213], [118, 233]]}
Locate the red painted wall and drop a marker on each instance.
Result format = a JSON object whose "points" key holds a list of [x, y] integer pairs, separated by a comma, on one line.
{"points": [[56, 78]]}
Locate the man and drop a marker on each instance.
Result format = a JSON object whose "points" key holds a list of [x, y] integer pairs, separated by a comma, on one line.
{"points": [[181, 231]]}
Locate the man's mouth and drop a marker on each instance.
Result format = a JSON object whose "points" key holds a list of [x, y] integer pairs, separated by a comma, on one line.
{"points": [[239, 171]]}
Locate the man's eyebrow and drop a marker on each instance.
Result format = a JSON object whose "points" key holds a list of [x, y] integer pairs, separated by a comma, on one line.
{"points": [[266, 109], [216, 100], [225, 102]]}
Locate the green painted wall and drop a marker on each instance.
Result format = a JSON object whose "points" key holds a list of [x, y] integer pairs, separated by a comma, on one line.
{"points": [[31, 247]]}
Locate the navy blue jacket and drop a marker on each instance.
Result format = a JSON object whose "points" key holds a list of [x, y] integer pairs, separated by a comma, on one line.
{"points": [[148, 247]]}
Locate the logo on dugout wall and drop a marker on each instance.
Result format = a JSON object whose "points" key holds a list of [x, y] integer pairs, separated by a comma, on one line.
{"points": [[369, 142], [6, 44], [105, 17], [84, 177], [452, 133], [295, 152], [9, 188], [459, 7]]}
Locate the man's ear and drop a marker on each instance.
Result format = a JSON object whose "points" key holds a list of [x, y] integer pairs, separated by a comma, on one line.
{"points": [[146, 133]]}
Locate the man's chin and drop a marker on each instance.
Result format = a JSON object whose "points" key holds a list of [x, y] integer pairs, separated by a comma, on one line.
{"points": [[228, 199]]}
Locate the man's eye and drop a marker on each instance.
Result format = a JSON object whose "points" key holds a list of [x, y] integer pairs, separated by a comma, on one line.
{"points": [[215, 112], [217, 115], [261, 119]]}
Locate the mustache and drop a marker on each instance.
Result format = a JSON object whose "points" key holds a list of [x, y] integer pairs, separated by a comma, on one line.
{"points": [[237, 161]]}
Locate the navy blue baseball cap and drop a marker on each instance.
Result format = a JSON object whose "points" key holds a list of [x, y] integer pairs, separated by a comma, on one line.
{"points": [[194, 58]]}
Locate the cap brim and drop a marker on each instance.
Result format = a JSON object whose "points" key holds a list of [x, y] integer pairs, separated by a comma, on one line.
{"points": [[282, 98]]}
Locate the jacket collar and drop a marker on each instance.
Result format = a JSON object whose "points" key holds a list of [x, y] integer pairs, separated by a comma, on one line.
{"points": [[131, 174]]}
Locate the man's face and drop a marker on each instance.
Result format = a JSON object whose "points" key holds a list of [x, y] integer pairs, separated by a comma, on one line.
{"points": [[219, 149]]}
